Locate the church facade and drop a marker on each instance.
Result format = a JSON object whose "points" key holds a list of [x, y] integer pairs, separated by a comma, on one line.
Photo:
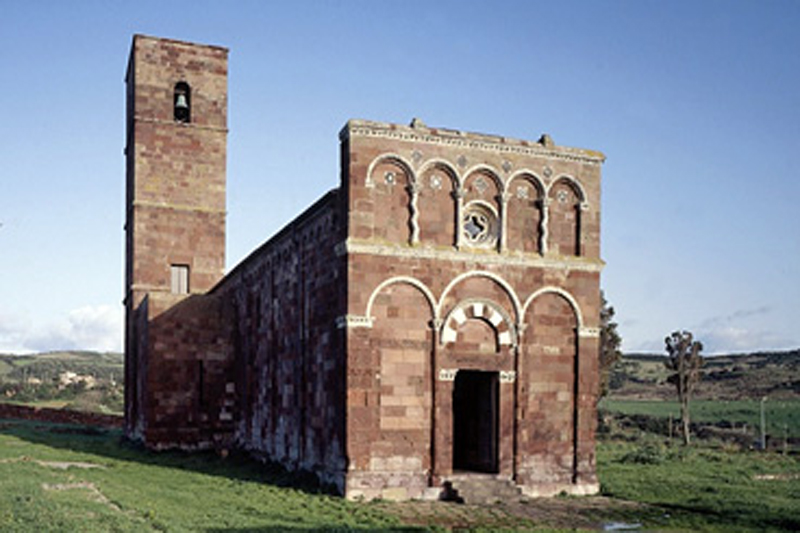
{"points": [[433, 317]]}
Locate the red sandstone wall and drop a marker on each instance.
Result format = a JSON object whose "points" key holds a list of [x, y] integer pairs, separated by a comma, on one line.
{"points": [[178, 366], [189, 384], [525, 304], [288, 349]]}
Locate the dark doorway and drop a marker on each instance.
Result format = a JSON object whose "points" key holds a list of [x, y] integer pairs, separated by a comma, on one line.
{"points": [[475, 421]]}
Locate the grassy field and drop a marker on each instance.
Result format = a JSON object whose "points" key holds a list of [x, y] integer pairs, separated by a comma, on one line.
{"points": [[702, 489], [69, 478], [57, 478], [782, 416]]}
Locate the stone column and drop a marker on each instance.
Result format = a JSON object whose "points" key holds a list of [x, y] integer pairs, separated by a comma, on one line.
{"points": [[458, 196], [517, 393], [502, 200], [413, 189], [444, 381], [433, 474], [587, 384], [544, 205], [582, 208]]}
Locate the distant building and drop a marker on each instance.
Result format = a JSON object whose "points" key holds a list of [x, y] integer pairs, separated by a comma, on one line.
{"points": [[432, 319], [71, 378]]}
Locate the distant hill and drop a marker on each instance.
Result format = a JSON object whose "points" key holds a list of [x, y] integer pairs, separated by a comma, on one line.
{"points": [[76, 380], [49, 366], [725, 377]]}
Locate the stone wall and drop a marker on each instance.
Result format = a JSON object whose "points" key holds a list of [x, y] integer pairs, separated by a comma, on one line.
{"points": [[288, 349], [58, 416], [174, 219], [516, 296], [438, 312]]}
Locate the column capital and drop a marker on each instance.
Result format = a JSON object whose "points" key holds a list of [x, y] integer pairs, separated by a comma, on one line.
{"points": [[588, 332]]}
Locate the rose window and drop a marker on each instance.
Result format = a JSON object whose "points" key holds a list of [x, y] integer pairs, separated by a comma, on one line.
{"points": [[479, 225]]}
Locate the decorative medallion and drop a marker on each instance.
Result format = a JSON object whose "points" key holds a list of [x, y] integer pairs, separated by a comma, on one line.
{"points": [[416, 156], [562, 196], [522, 192], [507, 166], [436, 182], [547, 171], [390, 178], [480, 185], [462, 161]]}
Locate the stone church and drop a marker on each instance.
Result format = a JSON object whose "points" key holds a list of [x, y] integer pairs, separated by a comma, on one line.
{"points": [[433, 318]]}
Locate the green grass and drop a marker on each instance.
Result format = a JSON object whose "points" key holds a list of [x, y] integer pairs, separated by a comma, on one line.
{"points": [[701, 489], [781, 415], [69, 478], [135, 490]]}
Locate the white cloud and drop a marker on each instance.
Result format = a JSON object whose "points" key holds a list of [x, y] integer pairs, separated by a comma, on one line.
{"points": [[92, 327], [743, 330], [13, 330], [731, 339]]}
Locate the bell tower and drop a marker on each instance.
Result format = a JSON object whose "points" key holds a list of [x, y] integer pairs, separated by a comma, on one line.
{"points": [[176, 136]]}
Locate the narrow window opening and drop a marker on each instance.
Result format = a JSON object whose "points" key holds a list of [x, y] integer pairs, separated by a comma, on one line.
{"points": [[182, 102], [179, 283]]}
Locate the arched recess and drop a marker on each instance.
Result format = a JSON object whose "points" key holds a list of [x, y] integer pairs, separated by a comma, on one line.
{"points": [[505, 289], [566, 198], [481, 187], [414, 282], [548, 370], [391, 181], [398, 373], [524, 212], [437, 183], [484, 170], [373, 174], [561, 292]]}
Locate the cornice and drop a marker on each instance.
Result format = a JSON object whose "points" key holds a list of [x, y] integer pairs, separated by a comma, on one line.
{"points": [[352, 246], [190, 125], [178, 207], [472, 141]]}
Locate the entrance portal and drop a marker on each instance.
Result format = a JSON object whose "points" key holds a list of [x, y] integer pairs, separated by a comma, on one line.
{"points": [[475, 421]]}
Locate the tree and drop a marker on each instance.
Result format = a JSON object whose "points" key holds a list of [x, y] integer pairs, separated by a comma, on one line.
{"points": [[609, 344], [685, 361]]}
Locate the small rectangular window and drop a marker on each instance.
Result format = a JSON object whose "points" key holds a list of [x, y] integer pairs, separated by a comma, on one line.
{"points": [[180, 279]]}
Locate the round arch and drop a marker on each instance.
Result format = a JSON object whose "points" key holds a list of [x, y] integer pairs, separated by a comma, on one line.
{"points": [[527, 175], [481, 274], [573, 183], [414, 282], [483, 309], [392, 158], [561, 292], [490, 171], [444, 166]]}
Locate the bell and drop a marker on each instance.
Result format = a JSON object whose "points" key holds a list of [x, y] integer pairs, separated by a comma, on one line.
{"points": [[181, 103]]}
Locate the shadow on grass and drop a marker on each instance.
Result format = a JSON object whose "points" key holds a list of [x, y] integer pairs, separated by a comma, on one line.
{"points": [[112, 444], [278, 529]]}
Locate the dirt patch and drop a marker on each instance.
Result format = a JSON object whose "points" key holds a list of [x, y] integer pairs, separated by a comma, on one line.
{"points": [[59, 465], [776, 477], [97, 496], [63, 465], [589, 513]]}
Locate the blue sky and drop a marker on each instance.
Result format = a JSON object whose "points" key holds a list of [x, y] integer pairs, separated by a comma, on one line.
{"points": [[696, 105]]}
